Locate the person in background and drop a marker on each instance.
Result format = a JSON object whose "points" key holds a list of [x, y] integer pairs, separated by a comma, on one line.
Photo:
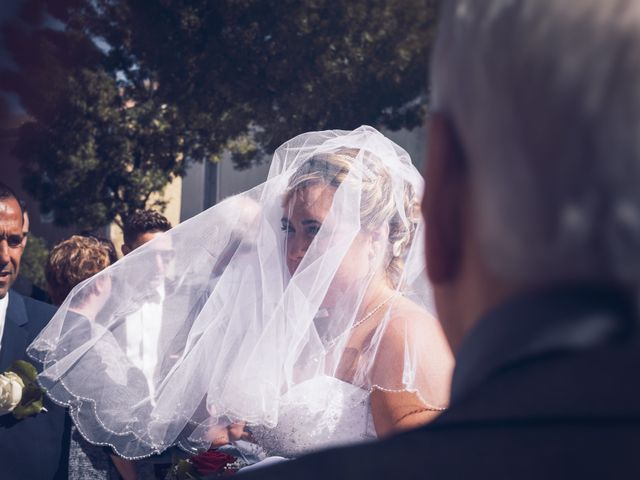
{"points": [[73, 260], [70, 262], [141, 227], [33, 447], [108, 244], [143, 326], [81, 257]]}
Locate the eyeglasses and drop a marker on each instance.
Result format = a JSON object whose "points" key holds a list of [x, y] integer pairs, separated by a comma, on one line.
{"points": [[14, 241]]}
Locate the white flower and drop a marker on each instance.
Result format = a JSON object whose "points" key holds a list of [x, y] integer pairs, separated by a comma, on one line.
{"points": [[11, 386]]}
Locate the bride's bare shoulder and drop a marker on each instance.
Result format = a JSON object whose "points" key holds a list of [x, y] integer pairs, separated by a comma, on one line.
{"points": [[408, 318], [407, 311]]}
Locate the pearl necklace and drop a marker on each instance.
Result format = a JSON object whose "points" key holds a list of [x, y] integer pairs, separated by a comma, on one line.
{"points": [[366, 317]]}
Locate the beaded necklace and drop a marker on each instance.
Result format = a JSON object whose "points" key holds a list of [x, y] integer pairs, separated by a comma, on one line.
{"points": [[366, 317]]}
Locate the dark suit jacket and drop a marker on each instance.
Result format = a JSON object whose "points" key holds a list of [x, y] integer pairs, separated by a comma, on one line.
{"points": [[32, 448], [546, 387]]}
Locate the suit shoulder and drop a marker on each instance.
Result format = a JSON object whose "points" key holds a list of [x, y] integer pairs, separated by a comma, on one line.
{"points": [[37, 310]]}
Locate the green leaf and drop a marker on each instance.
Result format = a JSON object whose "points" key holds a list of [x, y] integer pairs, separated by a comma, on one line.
{"points": [[24, 370], [24, 411], [31, 393], [31, 402]]}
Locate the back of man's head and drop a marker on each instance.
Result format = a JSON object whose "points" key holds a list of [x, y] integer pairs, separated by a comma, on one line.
{"points": [[141, 226], [544, 97]]}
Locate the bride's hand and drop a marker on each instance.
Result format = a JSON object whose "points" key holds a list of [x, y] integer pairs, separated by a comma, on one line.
{"points": [[221, 435]]}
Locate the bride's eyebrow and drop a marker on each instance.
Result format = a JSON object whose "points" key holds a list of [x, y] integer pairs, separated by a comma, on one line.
{"points": [[286, 221]]}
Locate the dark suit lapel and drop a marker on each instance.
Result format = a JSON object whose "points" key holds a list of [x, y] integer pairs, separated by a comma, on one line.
{"points": [[14, 337]]}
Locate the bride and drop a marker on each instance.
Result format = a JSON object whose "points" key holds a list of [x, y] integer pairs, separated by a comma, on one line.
{"points": [[295, 315]]}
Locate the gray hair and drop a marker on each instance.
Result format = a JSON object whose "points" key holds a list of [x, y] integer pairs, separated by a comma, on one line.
{"points": [[545, 97]]}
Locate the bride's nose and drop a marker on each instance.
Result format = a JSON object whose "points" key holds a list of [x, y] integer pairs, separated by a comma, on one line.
{"points": [[296, 249]]}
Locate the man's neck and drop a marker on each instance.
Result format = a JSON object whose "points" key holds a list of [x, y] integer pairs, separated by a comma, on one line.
{"points": [[460, 306], [560, 317]]}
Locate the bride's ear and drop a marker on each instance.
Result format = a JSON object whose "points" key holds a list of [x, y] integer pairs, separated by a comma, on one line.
{"points": [[378, 242], [443, 201]]}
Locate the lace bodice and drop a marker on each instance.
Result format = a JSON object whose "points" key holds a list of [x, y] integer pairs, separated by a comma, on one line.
{"points": [[306, 424]]}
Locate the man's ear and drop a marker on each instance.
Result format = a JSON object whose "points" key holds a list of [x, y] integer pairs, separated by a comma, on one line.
{"points": [[443, 201], [125, 249]]}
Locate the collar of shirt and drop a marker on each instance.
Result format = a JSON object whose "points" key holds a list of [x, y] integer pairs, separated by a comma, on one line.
{"points": [[538, 323], [4, 303]]}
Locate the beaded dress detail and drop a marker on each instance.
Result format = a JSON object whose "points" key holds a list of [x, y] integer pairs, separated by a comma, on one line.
{"points": [[316, 414]]}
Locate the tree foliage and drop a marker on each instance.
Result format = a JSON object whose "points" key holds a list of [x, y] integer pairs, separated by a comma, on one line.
{"points": [[124, 93], [33, 261]]}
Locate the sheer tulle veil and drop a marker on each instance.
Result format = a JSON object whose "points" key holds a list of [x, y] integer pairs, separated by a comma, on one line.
{"points": [[253, 299]]}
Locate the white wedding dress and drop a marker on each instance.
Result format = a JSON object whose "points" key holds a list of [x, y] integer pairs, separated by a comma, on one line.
{"points": [[320, 413]]}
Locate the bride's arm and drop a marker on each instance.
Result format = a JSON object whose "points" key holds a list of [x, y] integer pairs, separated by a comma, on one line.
{"points": [[396, 411], [126, 468], [413, 334]]}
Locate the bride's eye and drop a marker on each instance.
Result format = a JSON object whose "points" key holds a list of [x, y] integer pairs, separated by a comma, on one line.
{"points": [[313, 230], [286, 227]]}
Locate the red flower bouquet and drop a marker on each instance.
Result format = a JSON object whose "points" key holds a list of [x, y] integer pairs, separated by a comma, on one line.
{"points": [[209, 464], [213, 462]]}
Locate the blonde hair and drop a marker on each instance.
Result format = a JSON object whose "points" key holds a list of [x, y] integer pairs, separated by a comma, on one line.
{"points": [[378, 205]]}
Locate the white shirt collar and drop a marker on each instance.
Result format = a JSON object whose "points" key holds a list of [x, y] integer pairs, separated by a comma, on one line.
{"points": [[4, 304]]}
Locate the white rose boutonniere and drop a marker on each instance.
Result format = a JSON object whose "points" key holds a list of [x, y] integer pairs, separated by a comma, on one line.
{"points": [[20, 393], [11, 386]]}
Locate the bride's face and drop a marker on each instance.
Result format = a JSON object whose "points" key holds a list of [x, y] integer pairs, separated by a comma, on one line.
{"points": [[304, 214]]}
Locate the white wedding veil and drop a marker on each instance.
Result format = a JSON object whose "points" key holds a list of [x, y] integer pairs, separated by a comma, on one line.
{"points": [[319, 271]]}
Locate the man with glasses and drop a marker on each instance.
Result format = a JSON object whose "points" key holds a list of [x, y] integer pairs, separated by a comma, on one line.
{"points": [[31, 448]]}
